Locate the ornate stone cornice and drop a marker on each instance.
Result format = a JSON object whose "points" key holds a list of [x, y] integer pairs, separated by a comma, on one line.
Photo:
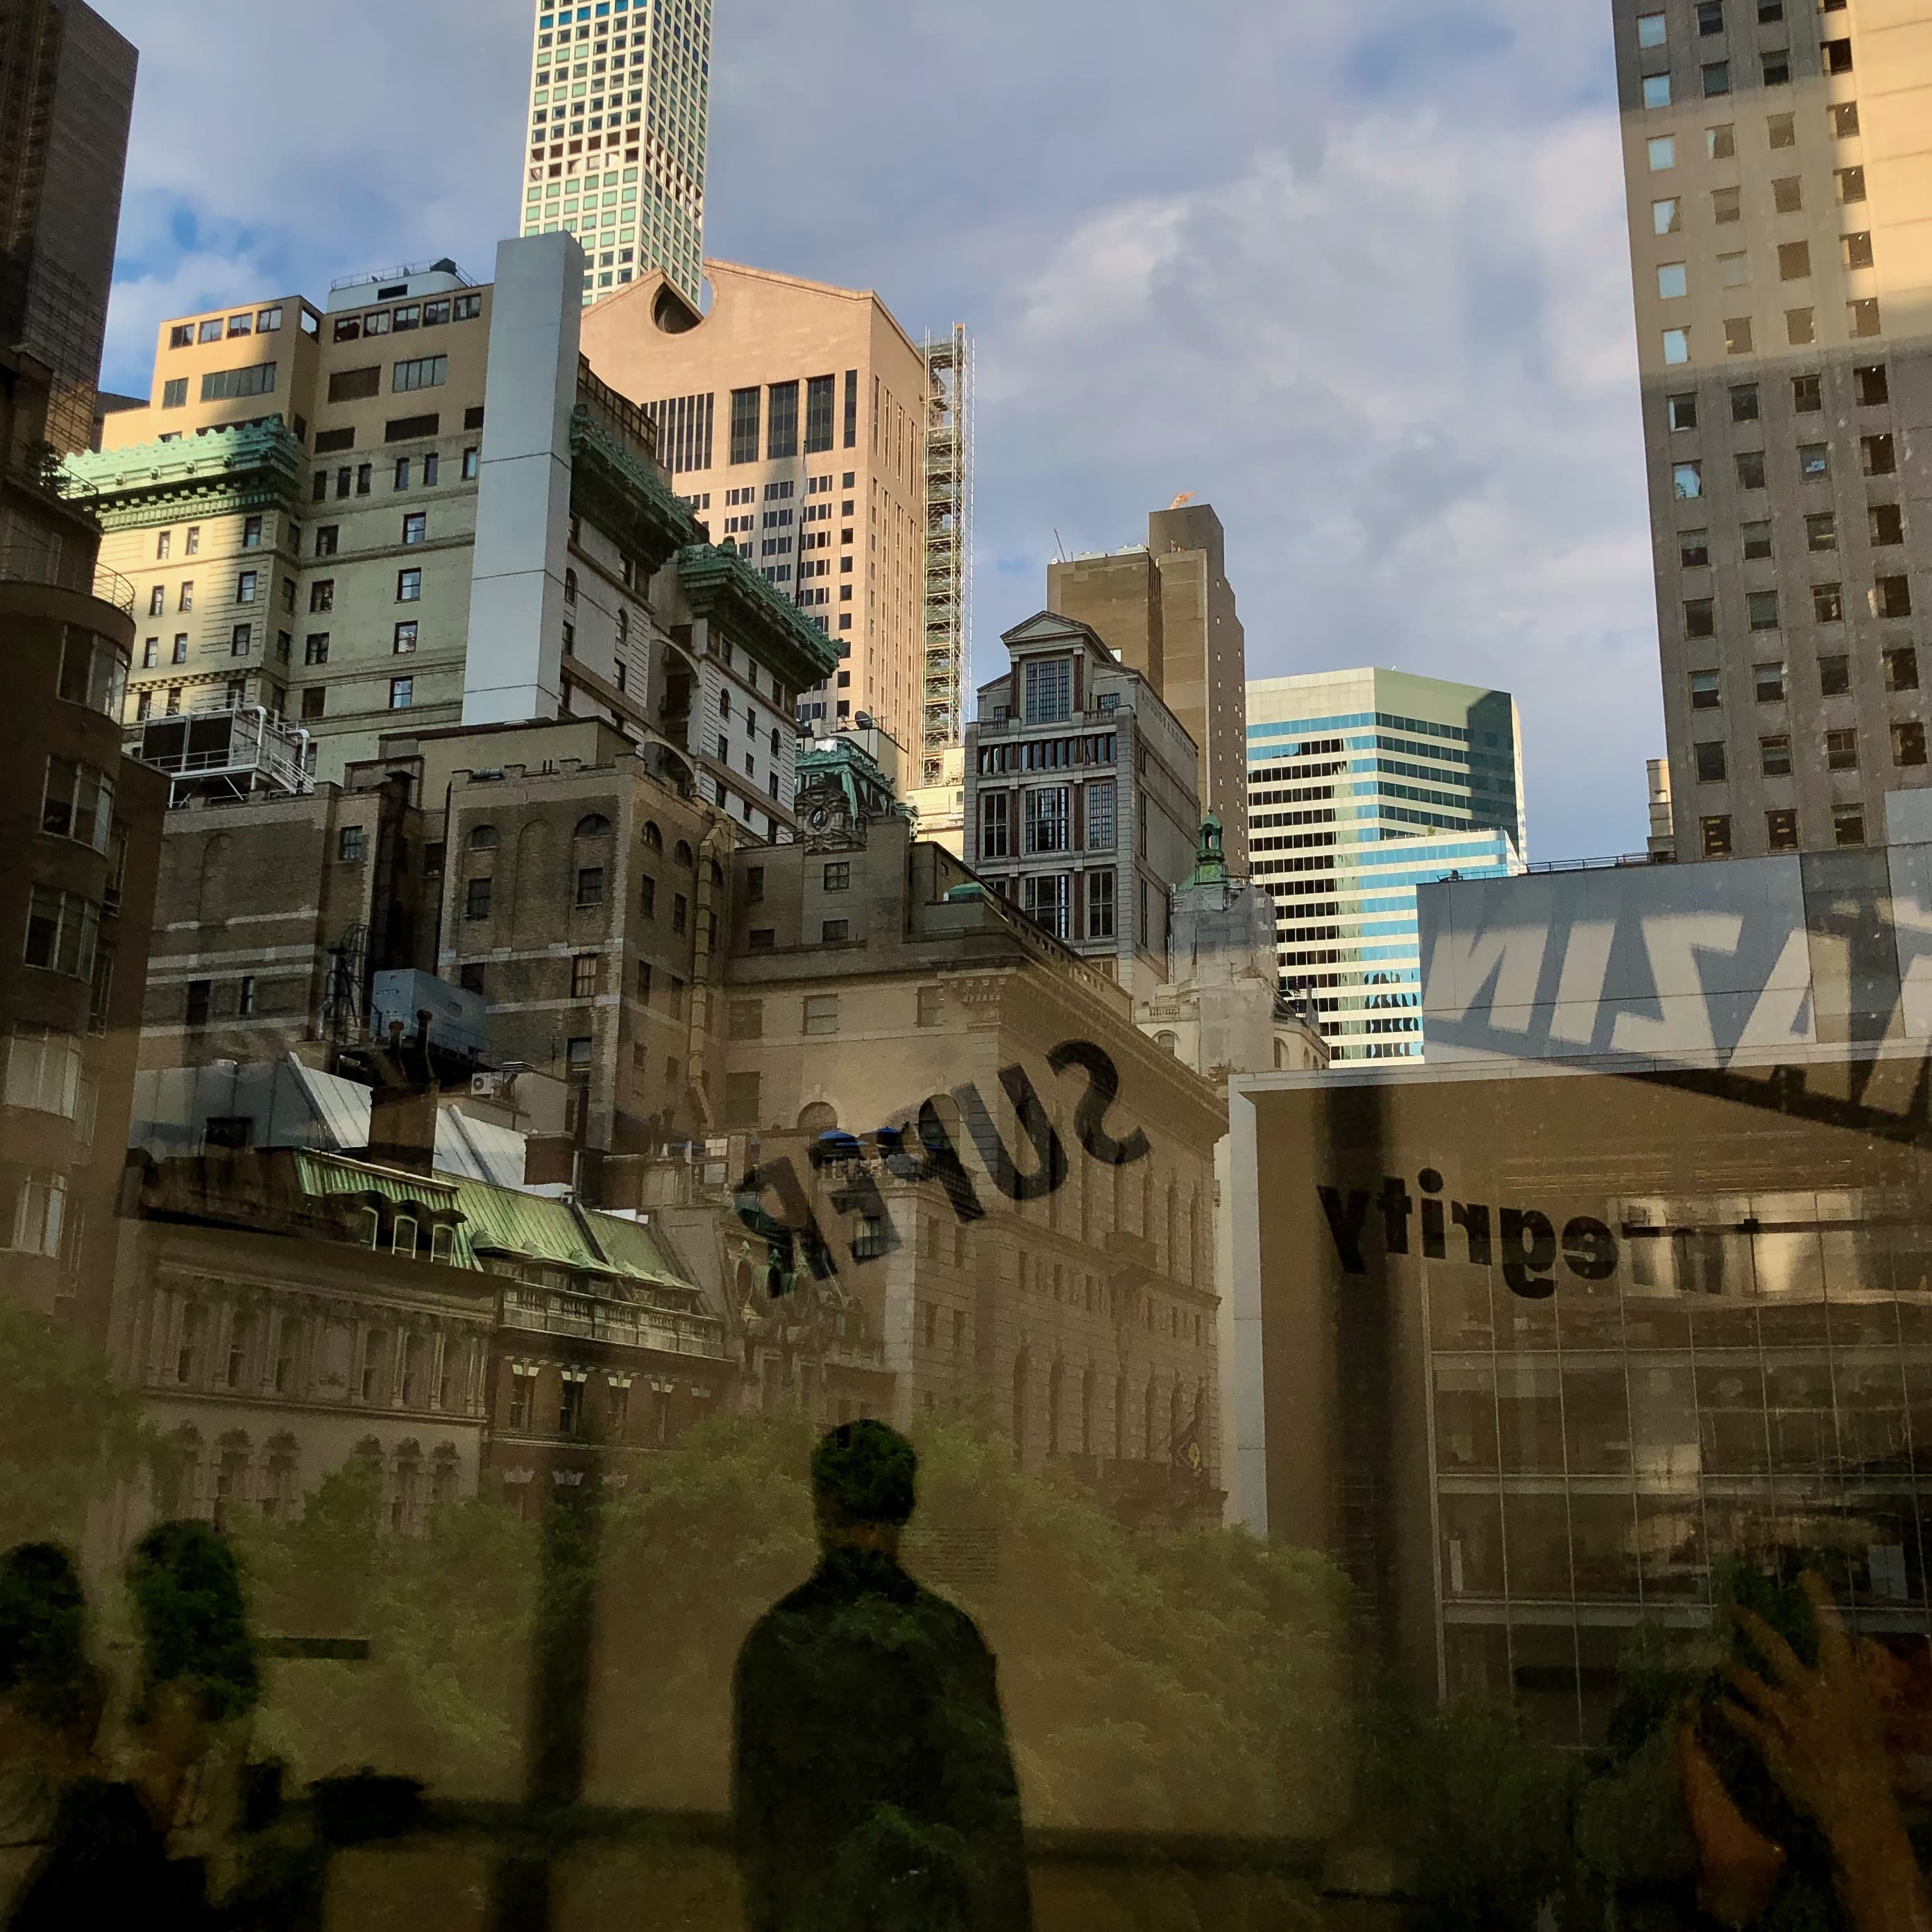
{"points": [[724, 589], [622, 496], [222, 470]]}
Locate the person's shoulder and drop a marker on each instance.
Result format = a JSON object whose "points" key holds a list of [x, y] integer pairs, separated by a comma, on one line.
{"points": [[946, 1620]]}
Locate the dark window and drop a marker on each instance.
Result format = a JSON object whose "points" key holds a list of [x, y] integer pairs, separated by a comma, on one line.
{"points": [[314, 700], [1848, 824], [1828, 604], [680, 912], [1837, 55], [1693, 549], [1710, 761], [1768, 680], [1887, 525], [1869, 381], [838, 876], [1807, 398], [1794, 261], [744, 425], [1774, 755], [1710, 17], [1879, 457], [351, 385], [1683, 412], [1858, 248], [476, 899], [470, 977], [1743, 402], [1705, 695], [1908, 743], [1851, 187], [1699, 621], [1834, 676], [590, 885], [762, 938], [1781, 830], [1777, 65], [851, 415], [1750, 468], [1891, 597], [1901, 668], [1717, 78], [1821, 532], [781, 431], [755, 884], [818, 407], [349, 844], [1761, 608], [200, 1001], [1841, 750]]}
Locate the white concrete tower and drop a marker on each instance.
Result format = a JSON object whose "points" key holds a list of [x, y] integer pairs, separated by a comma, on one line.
{"points": [[620, 115]]}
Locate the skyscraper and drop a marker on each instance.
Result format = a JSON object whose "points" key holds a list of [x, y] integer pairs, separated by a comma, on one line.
{"points": [[1168, 610], [793, 419], [619, 114], [1774, 159], [1361, 785]]}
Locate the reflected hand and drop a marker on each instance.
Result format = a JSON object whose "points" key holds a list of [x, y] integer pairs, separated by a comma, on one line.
{"points": [[1821, 1736]]}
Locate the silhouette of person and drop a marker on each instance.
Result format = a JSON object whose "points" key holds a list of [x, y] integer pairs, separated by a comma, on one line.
{"points": [[873, 1787]]}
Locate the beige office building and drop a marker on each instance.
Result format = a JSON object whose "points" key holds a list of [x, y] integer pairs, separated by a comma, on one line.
{"points": [[1780, 203], [791, 418], [296, 507], [619, 119], [1168, 609]]}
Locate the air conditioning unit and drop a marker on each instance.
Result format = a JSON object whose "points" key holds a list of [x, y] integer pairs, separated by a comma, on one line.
{"points": [[486, 1086]]}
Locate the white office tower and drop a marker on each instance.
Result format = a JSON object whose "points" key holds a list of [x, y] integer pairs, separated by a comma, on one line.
{"points": [[620, 115], [1362, 785]]}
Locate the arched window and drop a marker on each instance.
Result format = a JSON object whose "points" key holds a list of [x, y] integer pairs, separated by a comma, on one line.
{"points": [[819, 1117], [403, 1240], [1167, 1043], [653, 838], [623, 626], [442, 1244], [775, 741], [570, 586], [368, 1227], [724, 704], [592, 825], [482, 838], [717, 873], [682, 855]]}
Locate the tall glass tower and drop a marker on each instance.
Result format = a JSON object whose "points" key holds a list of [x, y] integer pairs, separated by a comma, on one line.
{"points": [[1362, 785], [619, 114]]}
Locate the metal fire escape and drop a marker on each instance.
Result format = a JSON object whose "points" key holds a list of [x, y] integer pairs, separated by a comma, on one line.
{"points": [[949, 547]]}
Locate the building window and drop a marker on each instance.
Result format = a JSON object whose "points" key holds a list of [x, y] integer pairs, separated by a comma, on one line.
{"points": [[200, 1002], [821, 1012], [782, 430], [1891, 597], [1908, 743], [1709, 755], [240, 640], [1687, 481], [1700, 617], [1769, 681], [1851, 185], [1693, 549], [1848, 824], [1774, 754], [1100, 905], [1841, 750], [1715, 833], [996, 825], [1781, 829], [745, 404], [680, 912], [1887, 525], [832, 931], [585, 975], [1099, 803], [1705, 695], [322, 594], [402, 693], [1761, 607], [1048, 690], [425, 372], [1047, 825], [416, 527], [408, 586], [1901, 668], [1757, 541], [1682, 410], [1834, 676], [405, 640], [931, 1006], [590, 885], [1657, 90], [1676, 345]]}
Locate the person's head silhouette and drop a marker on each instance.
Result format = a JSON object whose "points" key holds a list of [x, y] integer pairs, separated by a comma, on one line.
{"points": [[862, 1486], [50, 1693]]}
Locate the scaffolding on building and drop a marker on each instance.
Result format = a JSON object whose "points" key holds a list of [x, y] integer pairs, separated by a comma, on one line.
{"points": [[949, 547]]}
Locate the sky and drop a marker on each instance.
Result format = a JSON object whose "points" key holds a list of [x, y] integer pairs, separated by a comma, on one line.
{"points": [[1356, 275]]}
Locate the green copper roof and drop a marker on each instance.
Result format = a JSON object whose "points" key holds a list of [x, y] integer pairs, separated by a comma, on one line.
{"points": [[1211, 865], [330, 1174], [723, 589], [233, 469]]}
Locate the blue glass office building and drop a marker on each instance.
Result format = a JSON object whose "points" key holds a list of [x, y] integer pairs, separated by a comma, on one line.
{"points": [[1362, 785]]}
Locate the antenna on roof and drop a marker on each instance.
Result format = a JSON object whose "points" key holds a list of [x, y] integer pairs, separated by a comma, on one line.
{"points": [[1059, 549]]}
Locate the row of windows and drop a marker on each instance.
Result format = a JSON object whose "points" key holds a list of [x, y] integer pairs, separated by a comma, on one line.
{"points": [[1878, 456], [1769, 681], [1780, 827], [1787, 197], [1889, 597], [1045, 819], [1710, 761], [1801, 324], [1721, 142], [429, 314], [1871, 389], [259, 321], [1885, 525]]}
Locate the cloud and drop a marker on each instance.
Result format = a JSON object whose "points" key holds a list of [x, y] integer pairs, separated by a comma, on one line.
{"points": [[1357, 276]]}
